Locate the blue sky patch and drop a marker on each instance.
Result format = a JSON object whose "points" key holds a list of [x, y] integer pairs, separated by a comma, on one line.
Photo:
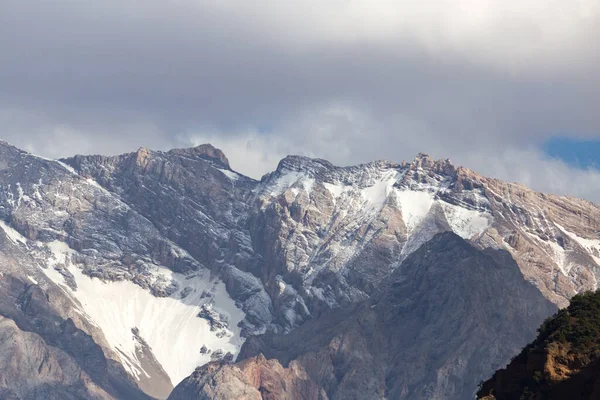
{"points": [[575, 152]]}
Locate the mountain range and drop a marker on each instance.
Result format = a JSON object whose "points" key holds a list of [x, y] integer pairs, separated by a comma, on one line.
{"points": [[167, 274]]}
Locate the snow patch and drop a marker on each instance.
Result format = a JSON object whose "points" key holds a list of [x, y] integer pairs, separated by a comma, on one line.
{"points": [[290, 179], [556, 253], [67, 167], [592, 246], [170, 325], [377, 194], [414, 206], [32, 280], [464, 222], [92, 182], [336, 190], [12, 234], [308, 184], [560, 257], [230, 174]]}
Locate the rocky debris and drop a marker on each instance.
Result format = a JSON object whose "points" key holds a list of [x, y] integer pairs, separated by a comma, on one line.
{"points": [[206, 295], [164, 287], [255, 378], [228, 358], [69, 279], [185, 292], [204, 350], [136, 335], [215, 320], [217, 354], [562, 362]]}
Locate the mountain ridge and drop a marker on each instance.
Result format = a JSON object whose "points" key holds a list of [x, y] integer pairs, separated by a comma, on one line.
{"points": [[235, 257]]}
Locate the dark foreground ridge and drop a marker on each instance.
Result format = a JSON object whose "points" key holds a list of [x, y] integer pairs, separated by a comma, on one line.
{"points": [[562, 363]]}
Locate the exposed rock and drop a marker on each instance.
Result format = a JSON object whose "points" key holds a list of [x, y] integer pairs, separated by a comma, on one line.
{"points": [[185, 292], [446, 317], [44, 356], [307, 239], [216, 321], [255, 378], [55, 376], [217, 355], [205, 151]]}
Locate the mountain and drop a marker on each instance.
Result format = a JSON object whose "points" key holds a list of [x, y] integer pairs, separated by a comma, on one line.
{"points": [[563, 361], [426, 333], [166, 261]]}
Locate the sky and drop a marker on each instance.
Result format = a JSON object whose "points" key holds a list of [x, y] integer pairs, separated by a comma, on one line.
{"points": [[507, 88], [578, 153]]}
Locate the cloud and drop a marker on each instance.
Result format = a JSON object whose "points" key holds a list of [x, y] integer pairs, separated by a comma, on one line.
{"points": [[479, 81]]}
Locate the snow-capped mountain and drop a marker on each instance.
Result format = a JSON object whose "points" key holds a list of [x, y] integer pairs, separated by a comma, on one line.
{"points": [[167, 260]]}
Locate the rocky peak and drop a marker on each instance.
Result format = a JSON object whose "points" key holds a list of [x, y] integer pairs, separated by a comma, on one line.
{"points": [[303, 164], [141, 156], [204, 151], [422, 160], [425, 173], [425, 162]]}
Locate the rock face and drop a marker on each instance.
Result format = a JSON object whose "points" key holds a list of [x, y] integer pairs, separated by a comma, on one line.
{"points": [[106, 273], [563, 362], [44, 354], [447, 315], [141, 248], [253, 379], [319, 236]]}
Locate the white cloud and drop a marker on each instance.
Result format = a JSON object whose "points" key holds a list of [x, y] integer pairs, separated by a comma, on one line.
{"points": [[515, 34], [347, 80]]}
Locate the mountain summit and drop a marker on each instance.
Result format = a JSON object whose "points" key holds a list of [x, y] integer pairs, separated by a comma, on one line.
{"points": [[156, 263]]}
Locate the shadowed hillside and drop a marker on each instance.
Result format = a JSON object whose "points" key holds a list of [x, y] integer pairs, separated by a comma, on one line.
{"points": [[563, 362]]}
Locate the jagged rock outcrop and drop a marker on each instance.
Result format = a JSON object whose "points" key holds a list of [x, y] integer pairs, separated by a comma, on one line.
{"points": [[253, 379], [563, 362]]}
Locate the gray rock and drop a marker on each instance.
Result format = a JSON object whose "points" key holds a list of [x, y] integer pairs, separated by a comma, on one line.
{"points": [[439, 325]]}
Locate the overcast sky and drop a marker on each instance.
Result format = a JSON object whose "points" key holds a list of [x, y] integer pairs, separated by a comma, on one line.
{"points": [[483, 82]]}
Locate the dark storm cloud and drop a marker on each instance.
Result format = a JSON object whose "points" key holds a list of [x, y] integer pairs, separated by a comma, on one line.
{"points": [[345, 81]]}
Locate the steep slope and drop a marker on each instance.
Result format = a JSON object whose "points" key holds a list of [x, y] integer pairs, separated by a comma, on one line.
{"points": [[449, 315], [319, 236], [194, 199], [143, 300], [44, 353], [340, 231], [563, 362]]}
